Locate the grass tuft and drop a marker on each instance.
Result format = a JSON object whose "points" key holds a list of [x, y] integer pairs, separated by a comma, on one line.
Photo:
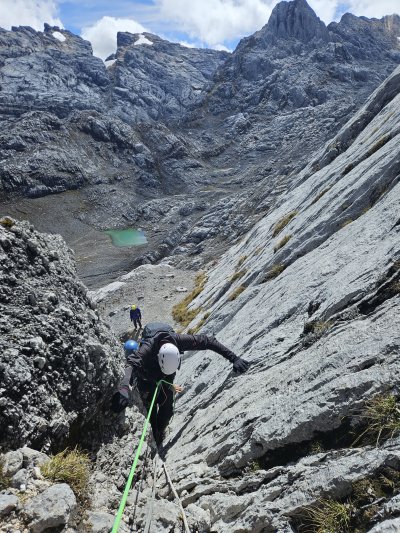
{"points": [[395, 287], [382, 141], [72, 467], [329, 517], [237, 275], [346, 222], [198, 326], [181, 312], [274, 272], [318, 327], [7, 222], [381, 415], [316, 447], [242, 259], [255, 466], [284, 221], [282, 243], [320, 195], [236, 293], [314, 330]]}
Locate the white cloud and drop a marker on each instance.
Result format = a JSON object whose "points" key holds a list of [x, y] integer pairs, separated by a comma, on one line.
{"points": [[103, 34], [371, 8], [325, 9], [219, 21], [32, 13], [216, 21]]}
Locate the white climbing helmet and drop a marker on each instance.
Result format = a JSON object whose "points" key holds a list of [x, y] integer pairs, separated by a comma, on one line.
{"points": [[169, 358]]}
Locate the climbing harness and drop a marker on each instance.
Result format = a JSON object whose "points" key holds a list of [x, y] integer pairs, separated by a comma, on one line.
{"points": [[132, 473]]}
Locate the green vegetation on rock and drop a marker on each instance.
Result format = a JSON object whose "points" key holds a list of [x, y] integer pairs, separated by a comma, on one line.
{"points": [[70, 466], [181, 312], [284, 221]]}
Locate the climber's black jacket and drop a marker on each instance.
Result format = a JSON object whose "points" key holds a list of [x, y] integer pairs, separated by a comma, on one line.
{"points": [[143, 363]]}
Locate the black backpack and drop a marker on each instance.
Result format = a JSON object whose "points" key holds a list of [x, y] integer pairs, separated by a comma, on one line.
{"points": [[151, 330]]}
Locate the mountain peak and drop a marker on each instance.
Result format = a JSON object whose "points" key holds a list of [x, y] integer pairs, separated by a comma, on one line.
{"points": [[296, 19]]}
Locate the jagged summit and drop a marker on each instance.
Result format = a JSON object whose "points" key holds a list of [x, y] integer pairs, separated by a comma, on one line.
{"points": [[296, 20]]}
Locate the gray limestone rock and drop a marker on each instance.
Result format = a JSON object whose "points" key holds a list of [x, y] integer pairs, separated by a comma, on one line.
{"points": [[342, 275], [20, 478], [82, 365], [198, 518], [13, 462], [52, 508], [103, 522], [392, 507], [8, 503], [388, 526], [296, 20], [32, 457]]}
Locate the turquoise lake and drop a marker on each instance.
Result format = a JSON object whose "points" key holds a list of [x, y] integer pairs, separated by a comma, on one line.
{"points": [[126, 237]]}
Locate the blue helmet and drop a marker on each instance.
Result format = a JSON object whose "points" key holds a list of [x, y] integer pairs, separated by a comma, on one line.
{"points": [[131, 345]]}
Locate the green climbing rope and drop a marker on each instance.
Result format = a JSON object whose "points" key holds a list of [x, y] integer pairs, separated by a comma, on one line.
{"points": [[135, 462]]}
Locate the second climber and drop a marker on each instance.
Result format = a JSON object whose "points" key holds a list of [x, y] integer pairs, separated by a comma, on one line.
{"points": [[136, 316]]}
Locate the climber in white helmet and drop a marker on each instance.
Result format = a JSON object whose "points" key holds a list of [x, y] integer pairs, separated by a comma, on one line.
{"points": [[169, 358], [158, 357]]}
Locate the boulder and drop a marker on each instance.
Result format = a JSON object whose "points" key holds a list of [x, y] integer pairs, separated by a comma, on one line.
{"points": [[52, 508]]}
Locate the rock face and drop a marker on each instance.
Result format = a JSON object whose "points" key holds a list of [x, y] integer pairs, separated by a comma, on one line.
{"points": [[296, 20], [159, 80], [317, 315], [61, 108], [58, 360], [51, 509]]}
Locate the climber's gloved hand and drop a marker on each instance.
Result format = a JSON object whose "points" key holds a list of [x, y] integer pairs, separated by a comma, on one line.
{"points": [[240, 366], [120, 400]]}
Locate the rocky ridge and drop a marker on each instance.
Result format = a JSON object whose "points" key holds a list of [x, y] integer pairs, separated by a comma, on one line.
{"points": [[161, 122]]}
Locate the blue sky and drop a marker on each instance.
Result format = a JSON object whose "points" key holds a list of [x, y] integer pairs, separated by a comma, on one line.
{"points": [[76, 15], [216, 24]]}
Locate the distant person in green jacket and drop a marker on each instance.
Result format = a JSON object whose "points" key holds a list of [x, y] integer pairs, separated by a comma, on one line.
{"points": [[136, 316]]}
